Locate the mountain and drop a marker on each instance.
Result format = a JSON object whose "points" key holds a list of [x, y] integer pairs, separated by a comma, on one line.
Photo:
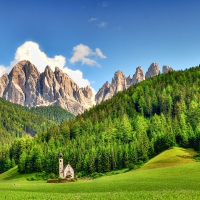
{"points": [[153, 70], [121, 82], [127, 130], [108, 90], [166, 69], [26, 86], [18, 121], [137, 77]]}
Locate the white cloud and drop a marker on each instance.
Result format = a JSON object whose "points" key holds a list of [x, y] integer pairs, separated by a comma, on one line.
{"points": [[4, 70], [105, 4], [99, 53], [31, 51], [102, 24], [78, 76], [82, 53], [92, 19]]}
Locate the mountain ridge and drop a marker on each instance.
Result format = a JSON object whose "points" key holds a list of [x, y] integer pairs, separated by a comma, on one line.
{"points": [[120, 81], [26, 86]]}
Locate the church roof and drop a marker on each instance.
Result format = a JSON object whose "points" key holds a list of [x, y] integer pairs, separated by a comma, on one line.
{"points": [[60, 155]]}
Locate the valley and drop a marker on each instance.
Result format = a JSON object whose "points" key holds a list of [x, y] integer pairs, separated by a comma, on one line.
{"points": [[166, 182], [99, 100], [151, 126]]}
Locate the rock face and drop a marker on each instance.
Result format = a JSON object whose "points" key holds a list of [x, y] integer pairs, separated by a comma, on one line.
{"points": [[166, 69], [25, 85], [108, 90], [153, 70], [119, 83], [138, 76]]}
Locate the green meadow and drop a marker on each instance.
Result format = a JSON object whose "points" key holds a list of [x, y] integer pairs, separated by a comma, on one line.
{"points": [[174, 174]]}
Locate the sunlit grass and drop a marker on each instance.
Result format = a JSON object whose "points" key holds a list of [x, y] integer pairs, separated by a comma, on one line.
{"points": [[172, 157], [169, 182]]}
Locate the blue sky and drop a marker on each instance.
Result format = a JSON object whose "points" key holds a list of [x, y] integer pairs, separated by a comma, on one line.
{"points": [[92, 38]]}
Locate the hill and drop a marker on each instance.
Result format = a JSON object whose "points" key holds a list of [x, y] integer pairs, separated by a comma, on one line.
{"points": [[17, 121], [171, 157], [53, 113], [129, 129]]}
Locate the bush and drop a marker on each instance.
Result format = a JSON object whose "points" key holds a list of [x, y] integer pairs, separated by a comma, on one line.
{"points": [[41, 176], [51, 176], [68, 176], [96, 175], [31, 178], [59, 179], [131, 166], [81, 174]]}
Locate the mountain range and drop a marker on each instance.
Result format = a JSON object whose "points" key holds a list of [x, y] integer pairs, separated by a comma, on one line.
{"points": [[26, 86], [121, 82]]}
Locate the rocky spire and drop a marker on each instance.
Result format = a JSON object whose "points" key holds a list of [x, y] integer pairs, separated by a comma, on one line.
{"points": [[119, 83], [166, 69], [153, 70], [138, 76]]}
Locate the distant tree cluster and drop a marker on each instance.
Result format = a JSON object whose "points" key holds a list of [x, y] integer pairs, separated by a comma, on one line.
{"points": [[17, 121], [129, 129], [54, 113]]}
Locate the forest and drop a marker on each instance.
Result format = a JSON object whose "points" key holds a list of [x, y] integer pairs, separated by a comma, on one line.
{"points": [[129, 129], [16, 122], [53, 113]]}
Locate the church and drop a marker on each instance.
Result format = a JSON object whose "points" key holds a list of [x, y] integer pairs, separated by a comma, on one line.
{"points": [[65, 171]]}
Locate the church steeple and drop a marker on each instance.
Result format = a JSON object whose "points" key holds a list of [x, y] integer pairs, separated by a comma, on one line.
{"points": [[61, 174]]}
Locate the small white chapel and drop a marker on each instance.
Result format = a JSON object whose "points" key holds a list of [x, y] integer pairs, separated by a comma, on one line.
{"points": [[65, 171]]}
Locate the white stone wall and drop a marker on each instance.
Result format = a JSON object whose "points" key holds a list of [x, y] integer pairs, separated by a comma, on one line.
{"points": [[69, 171]]}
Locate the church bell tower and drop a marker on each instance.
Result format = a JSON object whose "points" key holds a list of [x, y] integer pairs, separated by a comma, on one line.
{"points": [[61, 172]]}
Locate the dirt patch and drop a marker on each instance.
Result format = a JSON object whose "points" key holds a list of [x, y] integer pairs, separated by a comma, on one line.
{"points": [[60, 181]]}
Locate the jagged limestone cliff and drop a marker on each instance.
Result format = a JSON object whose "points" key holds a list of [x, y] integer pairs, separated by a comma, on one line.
{"points": [[25, 85]]}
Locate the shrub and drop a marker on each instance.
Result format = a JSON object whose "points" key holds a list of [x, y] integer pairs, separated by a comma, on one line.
{"points": [[31, 178], [52, 176], [131, 166], [96, 175], [68, 176], [81, 174], [59, 179]]}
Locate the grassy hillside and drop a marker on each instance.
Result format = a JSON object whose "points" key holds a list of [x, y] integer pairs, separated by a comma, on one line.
{"points": [[174, 182], [54, 113], [171, 157]]}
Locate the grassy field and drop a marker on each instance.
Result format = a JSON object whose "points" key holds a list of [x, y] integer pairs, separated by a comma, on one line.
{"points": [[176, 179]]}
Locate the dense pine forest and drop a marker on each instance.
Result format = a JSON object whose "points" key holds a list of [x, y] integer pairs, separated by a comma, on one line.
{"points": [[17, 121], [129, 129], [54, 113]]}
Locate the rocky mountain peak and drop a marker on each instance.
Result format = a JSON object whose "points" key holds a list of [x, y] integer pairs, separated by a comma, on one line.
{"points": [[120, 82], [3, 83], [25, 85], [138, 76], [166, 69], [119, 78], [153, 70]]}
